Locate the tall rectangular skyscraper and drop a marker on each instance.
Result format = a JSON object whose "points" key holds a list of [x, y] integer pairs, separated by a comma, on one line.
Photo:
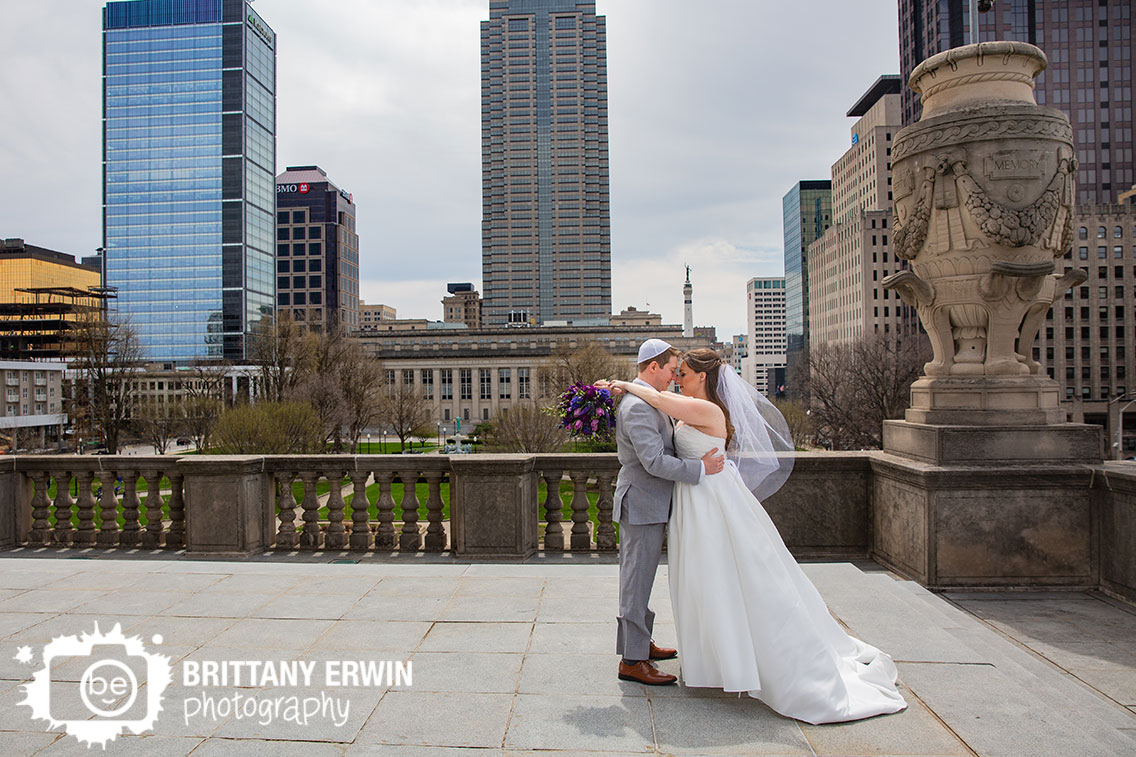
{"points": [[189, 158], [807, 212], [545, 230]]}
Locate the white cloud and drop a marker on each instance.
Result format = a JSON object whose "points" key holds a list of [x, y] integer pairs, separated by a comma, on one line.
{"points": [[715, 111]]}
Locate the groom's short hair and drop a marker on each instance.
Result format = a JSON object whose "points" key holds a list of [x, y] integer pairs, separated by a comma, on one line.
{"points": [[662, 358]]}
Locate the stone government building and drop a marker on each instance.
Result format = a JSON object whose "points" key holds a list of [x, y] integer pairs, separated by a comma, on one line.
{"points": [[474, 374]]}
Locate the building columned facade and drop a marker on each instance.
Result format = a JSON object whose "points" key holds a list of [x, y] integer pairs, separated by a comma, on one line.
{"points": [[317, 250], [546, 230], [807, 213], [189, 156], [764, 362], [474, 374]]}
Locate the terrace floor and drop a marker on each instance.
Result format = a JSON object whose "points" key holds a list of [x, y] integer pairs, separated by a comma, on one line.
{"points": [[512, 659]]}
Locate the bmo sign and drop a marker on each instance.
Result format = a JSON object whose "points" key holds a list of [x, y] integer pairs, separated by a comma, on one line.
{"points": [[283, 189]]}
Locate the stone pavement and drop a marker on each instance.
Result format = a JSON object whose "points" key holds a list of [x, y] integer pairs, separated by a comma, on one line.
{"points": [[516, 659]]}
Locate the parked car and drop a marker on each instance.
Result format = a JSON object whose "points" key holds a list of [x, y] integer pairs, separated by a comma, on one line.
{"points": [[183, 441]]}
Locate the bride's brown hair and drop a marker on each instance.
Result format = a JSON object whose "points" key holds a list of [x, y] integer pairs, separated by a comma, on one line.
{"points": [[706, 360]]}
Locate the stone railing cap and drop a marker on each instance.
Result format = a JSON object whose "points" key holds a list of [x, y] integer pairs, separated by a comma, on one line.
{"points": [[953, 56]]}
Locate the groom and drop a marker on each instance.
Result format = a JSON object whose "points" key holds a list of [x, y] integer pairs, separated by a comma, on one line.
{"points": [[645, 439]]}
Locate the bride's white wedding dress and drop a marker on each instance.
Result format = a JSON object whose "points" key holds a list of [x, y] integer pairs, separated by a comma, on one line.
{"points": [[747, 617]]}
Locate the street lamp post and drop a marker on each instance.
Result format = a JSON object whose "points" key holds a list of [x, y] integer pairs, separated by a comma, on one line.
{"points": [[1118, 445]]}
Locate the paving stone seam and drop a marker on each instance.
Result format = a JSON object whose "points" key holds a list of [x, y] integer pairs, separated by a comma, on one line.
{"points": [[1056, 704]]}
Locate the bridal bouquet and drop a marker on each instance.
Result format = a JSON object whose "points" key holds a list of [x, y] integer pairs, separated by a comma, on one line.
{"points": [[587, 413]]}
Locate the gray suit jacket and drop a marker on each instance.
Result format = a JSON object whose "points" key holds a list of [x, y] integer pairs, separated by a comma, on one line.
{"points": [[644, 438]]}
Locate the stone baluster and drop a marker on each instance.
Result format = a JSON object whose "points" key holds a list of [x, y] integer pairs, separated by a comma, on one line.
{"points": [[581, 539], [411, 538], [360, 511], [85, 535], [175, 537], [62, 506], [39, 535], [311, 537], [286, 537], [384, 535], [108, 511], [130, 510], [152, 536], [336, 537], [553, 511], [605, 531], [435, 533]]}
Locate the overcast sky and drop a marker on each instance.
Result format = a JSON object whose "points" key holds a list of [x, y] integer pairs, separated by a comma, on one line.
{"points": [[715, 110]]}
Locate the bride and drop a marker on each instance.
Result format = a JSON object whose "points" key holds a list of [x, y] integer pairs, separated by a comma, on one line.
{"points": [[746, 616]]}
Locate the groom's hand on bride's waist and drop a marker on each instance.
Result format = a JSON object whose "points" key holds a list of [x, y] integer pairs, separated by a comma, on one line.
{"points": [[712, 462]]}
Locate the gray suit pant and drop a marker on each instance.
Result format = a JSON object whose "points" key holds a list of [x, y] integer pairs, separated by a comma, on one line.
{"points": [[640, 548]]}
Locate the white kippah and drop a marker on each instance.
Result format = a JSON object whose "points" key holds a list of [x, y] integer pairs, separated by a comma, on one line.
{"points": [[652, 348]]}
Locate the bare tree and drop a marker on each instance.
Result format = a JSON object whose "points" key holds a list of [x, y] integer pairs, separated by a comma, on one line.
{"points": [[323, 356], [403, 408], [526, 427], [204, 402], [277, 348], [584, 363], [159, 423], [855, 388], [105, 354], [360, 382]]}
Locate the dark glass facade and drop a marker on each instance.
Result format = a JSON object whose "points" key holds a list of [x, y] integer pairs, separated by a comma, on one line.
{"points": [[546, 229], [189, 146], [807, 212], [317, 250], [1089, 46]]}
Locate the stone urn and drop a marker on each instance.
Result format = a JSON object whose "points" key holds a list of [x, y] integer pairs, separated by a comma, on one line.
{"points": [[983, 198]]}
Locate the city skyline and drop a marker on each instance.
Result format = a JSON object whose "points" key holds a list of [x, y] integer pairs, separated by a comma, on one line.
{"points": [[705, 140]]}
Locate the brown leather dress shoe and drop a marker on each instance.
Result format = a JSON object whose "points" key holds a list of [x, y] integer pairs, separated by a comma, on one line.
{"points": [[662, 653], [645, 673]]}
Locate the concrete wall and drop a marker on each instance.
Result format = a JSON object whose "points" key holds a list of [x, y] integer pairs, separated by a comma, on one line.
{"points": [[1115, 485]]}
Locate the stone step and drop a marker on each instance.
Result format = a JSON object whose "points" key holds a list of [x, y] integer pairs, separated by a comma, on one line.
{"points": [[1002, 678]]}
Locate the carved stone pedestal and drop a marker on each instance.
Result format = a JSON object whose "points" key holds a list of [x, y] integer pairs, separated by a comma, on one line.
{"points": [[959, 526], [983, 483]]}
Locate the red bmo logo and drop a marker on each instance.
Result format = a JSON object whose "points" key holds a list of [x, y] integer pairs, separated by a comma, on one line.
{"points": [[304, 189]]}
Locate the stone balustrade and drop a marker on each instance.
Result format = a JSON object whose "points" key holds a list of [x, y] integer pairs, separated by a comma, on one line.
{"points": [[471, 506]]}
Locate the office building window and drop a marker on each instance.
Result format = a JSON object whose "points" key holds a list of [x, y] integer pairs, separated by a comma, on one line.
{"points": [[485, 383], [428, 383], [524, 385], [504, 383], [447, 384], [465, 376]]}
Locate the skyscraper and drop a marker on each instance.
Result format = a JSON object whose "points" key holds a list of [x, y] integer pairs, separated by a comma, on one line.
{"points": [[317, 250], [764, 361], [1089, 46], [807, 212], [189, 154], [545, 230], [849, 262]]}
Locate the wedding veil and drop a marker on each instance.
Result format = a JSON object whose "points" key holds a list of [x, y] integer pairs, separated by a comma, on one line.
{"points": [[761, 447]]}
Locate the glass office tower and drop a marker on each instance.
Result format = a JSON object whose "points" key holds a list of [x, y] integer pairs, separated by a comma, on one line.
{"points": [[807, 212], [189, 159], [546, 226]]}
